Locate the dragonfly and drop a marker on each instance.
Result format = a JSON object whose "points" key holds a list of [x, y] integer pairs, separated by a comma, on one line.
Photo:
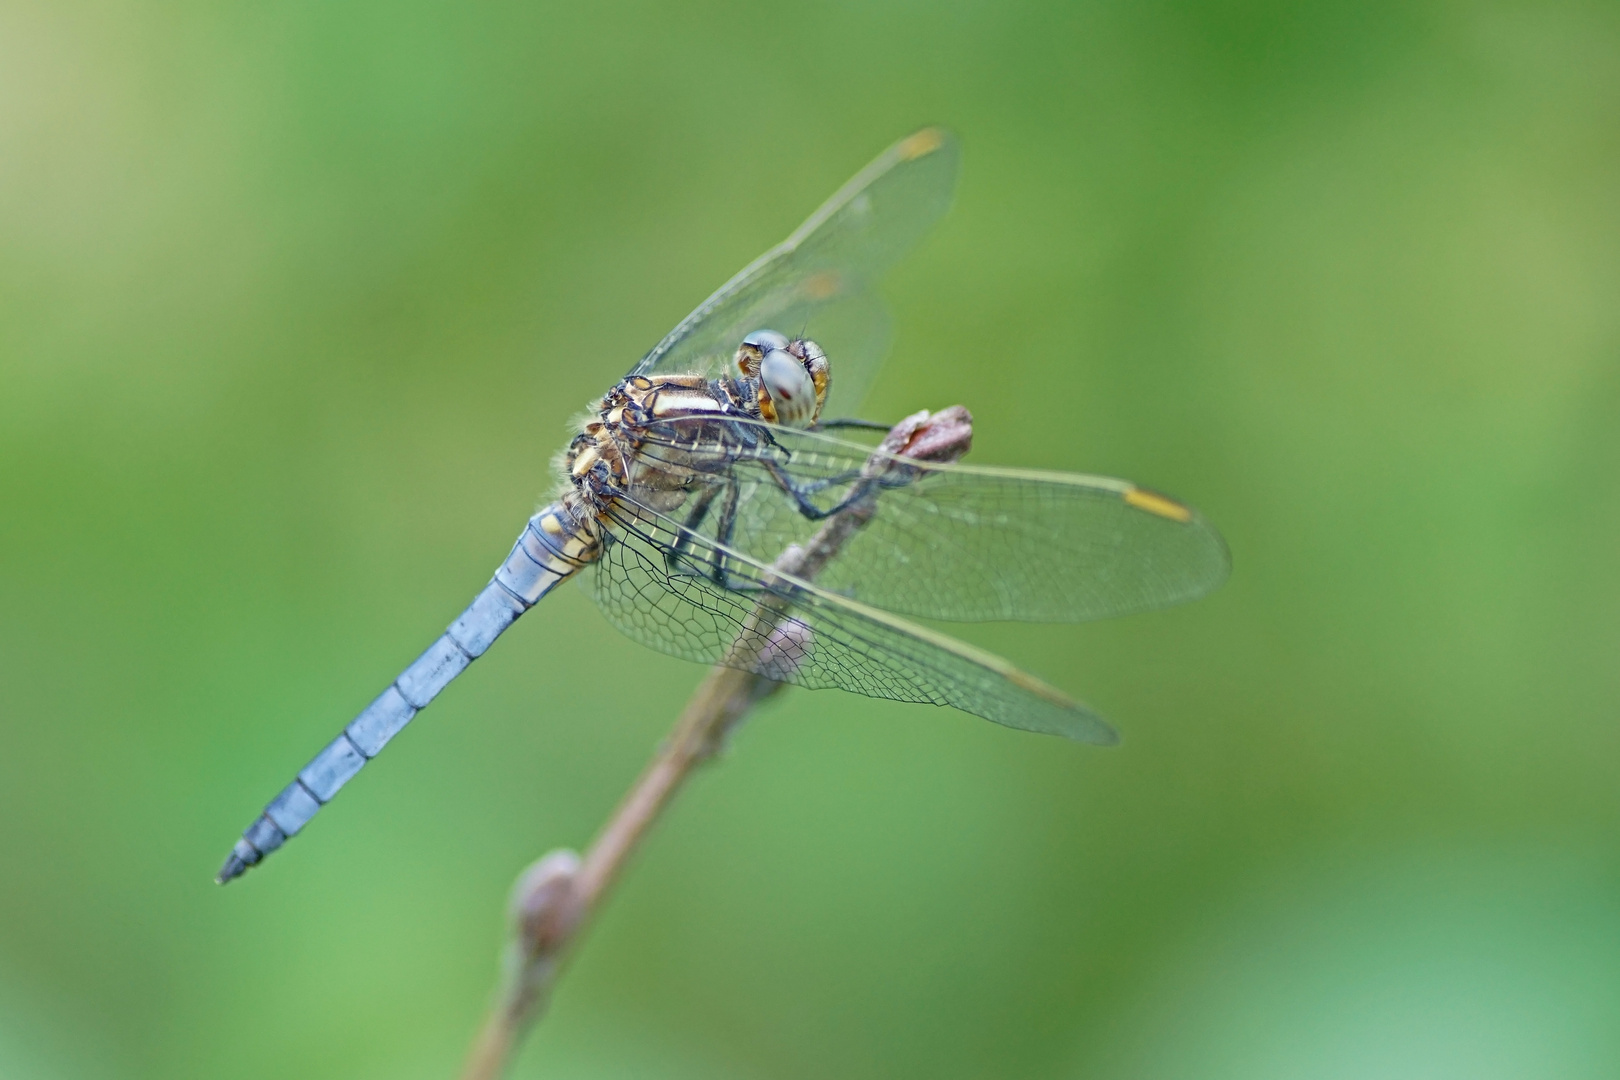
{"points": [[697, 476]]}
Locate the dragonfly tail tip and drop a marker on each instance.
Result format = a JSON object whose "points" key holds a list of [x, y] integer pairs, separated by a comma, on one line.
{"points": [[235, 866]]}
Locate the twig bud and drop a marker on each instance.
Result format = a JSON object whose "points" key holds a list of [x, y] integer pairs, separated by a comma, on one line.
{"points": [[544, 910]]}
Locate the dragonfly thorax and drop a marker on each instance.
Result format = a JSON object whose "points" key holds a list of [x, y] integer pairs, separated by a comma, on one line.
{"points": [[684, 416], [781, 381]]}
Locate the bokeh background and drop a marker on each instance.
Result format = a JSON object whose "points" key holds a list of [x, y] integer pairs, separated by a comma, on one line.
{"points": [[297, 300]]}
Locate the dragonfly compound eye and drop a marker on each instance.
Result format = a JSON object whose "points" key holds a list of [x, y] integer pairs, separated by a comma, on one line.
{"points": [[792, 390], [753, 349], [815, 362], [766, 340]]}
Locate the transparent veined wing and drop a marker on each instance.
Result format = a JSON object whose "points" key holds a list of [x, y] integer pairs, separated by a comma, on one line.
{"points": [[820, 280], [762, 619], [954, 541]]}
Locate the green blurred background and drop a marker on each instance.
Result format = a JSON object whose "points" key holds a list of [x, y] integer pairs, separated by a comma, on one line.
{"points": [[296, 302]]}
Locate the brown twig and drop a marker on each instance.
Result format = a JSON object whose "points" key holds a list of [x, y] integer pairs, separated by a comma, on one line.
{"points": [[554, 898]]}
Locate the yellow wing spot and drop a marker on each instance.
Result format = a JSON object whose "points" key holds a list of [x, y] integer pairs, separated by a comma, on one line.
{"points": [[925, 141], [822, 286], [1157, 504]]}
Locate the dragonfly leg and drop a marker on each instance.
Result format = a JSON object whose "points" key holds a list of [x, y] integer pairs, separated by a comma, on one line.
{"points": [[814, 486], [849, 422], [728, 525], [800, 493], [677, 552], [680, 551]]}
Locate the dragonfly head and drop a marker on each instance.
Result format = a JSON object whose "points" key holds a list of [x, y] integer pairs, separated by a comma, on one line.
{"points": [[792, 376]]}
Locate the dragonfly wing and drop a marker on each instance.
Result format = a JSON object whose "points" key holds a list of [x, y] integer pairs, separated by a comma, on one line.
{"points": [[785, 628], [819, 280], [968, 543]]}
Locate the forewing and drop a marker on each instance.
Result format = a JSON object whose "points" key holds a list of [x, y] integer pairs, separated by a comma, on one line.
{"points": [[787, 629], [820, 280], [963, 542]]}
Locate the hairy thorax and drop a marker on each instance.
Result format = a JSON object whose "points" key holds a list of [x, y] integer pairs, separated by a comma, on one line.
{"points": [[654, 439]]}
